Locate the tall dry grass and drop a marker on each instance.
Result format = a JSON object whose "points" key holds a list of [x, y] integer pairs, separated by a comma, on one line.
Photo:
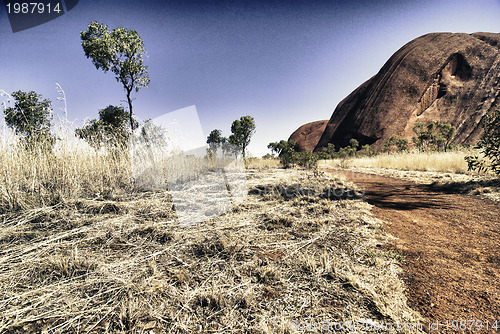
{"points": [[36, 177], [259, 163], [446, 162]]}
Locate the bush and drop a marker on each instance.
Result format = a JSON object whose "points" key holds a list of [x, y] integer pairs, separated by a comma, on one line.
{"points": [[111, 130], [366, 150], [328, 152], [307, 159], [268, 156], [345, 152], [401, 144], [354, 143], [285, 151], [433, 136], [489, 145]]}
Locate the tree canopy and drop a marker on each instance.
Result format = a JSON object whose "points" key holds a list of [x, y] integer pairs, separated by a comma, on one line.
{"points": [[110, 130], [120, 51], [285, 149], [30, 117], [242, 131], [433, 135], [215, 140]]}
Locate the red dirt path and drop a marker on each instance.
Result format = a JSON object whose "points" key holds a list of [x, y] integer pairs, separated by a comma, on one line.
{"points": [[450, 244]]}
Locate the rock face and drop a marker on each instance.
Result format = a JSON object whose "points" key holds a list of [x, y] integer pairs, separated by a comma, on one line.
{"points": [[307, 136], [439, 77]]}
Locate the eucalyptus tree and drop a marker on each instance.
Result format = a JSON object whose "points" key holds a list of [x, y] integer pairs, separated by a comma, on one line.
{"points": [[120, 51]]}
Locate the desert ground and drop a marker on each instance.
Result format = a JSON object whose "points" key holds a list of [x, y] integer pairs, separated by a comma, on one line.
{"points": [[301, 250], [449, 243], [327, 250]]}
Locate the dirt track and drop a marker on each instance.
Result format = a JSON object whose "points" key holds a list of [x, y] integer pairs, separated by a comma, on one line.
{"points": [[450, 244]]}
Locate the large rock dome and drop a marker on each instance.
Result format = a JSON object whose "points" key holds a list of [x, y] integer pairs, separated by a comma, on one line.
{"points": [[307, 136], [440, 77]]}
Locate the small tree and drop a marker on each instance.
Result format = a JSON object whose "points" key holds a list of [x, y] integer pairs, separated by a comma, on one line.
{"points": [[345, 152], [268, 156], [92, 133], [330, 150], [422, 136], [489, 145], [31, 118], [120, 51], [242, 131], [285, 150], [402, 144], [274, 147], [110, 130], [215, 140], [153, 135], [446, 134], [327, 152], [366, 150], [228, 148], [307, 159]]}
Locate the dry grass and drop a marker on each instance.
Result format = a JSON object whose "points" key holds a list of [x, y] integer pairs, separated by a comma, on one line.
{"points": [[445, 162], [293, 252], [84, 250], [34, 178], [260, 164]]}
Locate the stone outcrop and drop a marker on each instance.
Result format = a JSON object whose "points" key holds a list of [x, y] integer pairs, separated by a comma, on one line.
{"points": [[440, 77], [307, 136]]}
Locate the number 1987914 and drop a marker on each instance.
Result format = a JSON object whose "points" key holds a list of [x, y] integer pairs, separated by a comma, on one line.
{"points": [[33, 8]]}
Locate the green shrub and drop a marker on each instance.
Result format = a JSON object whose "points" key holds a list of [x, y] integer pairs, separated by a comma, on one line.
{"points": [[433, 136], [307, 159], [488, 145], [401, 144], [285, 151], [111, 130]]}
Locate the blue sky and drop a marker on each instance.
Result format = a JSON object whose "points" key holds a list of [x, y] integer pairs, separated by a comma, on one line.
{"points": [[285, 63]]}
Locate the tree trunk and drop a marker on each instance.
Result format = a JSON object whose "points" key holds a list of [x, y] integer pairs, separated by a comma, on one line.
{"points": [[130, 110]]}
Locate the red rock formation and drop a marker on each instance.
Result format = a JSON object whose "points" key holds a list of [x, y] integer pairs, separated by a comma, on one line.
{"points": [[439, 77], [307, 136]]}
